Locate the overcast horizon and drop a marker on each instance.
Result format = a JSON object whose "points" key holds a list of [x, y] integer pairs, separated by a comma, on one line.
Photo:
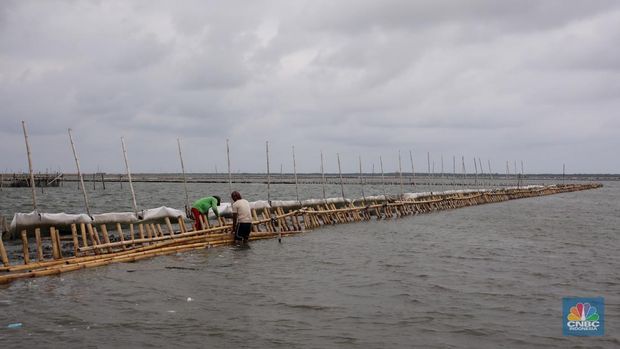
{"points": [[531, 81]]}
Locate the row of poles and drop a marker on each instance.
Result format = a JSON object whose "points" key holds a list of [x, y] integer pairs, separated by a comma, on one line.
{"points": [[430, 175], [79, 172]]}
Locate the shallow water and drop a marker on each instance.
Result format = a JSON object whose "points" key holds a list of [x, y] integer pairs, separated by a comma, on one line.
{"points": [[479, 277]]}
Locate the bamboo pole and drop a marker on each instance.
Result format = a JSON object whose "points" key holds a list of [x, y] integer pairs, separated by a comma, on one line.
{"points": [[323, 178], [187, 206], [268, 173], [106, 237], [475, 172], [412, 169], [464, 170], [563, 173], [37, 237], [121, 235], [57, 234], [400, 175], [141, 231], [3, 256], [340, 174], [362, 180], [79, 172], [442, 172], [481, 171], [169, 225], [228, 161], [133, 194], [93, 240], [76, 244], [83, 231], [132, 234], [32, 185], [454, 170], [428, 162], [295, 174], [382, 177], [55, 243], [490, 172], [25, 249]]}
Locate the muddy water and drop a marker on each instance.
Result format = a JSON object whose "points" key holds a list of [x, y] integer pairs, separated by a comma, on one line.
{"points": [[479, 277]]}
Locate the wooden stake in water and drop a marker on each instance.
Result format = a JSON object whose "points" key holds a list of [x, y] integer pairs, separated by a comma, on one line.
{"points": [[34, 194], [340, 174], [516, 172], [490, 172], [442, 172], [481, 171], [79, 172], [187, 207], [362, 180], [133, 193], [323, 177], [295, 175], [412, 169], [454, 170], [428, 160], [563, 172], [400, 175], [229, 174], [464, 170], [382, 177], [522, 174], [268, 174], [475, 173]]}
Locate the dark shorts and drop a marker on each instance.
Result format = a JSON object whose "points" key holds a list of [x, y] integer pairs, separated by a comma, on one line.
{"points": [[243, 231]]}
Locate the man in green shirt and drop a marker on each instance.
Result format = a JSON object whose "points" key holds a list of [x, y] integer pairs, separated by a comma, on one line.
{"points": [[202, 206]]}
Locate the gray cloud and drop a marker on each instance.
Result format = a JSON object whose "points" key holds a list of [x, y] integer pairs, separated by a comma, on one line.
{"points": [[527, 80]]}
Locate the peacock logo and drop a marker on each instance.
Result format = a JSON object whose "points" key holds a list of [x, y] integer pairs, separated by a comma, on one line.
{"points": [[583, 312], [583, 316]]}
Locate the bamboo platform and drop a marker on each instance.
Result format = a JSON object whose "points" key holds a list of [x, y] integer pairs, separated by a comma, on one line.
{"points": [[91, 245]]}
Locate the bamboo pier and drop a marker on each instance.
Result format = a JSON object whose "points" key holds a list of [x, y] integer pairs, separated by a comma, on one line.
{"points": [[91, 245]]}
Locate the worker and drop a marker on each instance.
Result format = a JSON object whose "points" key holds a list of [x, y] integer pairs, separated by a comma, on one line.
{"points": [[242, 218], [202, 206]]}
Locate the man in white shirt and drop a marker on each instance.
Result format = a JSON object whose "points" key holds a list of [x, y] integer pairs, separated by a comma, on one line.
{"points": [[242, 217]]}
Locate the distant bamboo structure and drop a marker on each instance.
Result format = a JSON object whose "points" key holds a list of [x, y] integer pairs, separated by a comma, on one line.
{"points": [[91, 245]]}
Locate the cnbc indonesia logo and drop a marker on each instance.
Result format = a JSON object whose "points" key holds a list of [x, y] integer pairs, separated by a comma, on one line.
{"points": [[583, 316]]}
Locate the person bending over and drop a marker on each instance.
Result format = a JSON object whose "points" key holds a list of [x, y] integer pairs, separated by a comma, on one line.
{"points": [[242, 217], [202, 206]]}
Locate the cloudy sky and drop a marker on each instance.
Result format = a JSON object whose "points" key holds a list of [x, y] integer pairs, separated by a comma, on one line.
{"points": [[537, 81]]}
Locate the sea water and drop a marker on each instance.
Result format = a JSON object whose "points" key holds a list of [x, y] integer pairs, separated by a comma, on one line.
{"points": [[485, 276]]}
